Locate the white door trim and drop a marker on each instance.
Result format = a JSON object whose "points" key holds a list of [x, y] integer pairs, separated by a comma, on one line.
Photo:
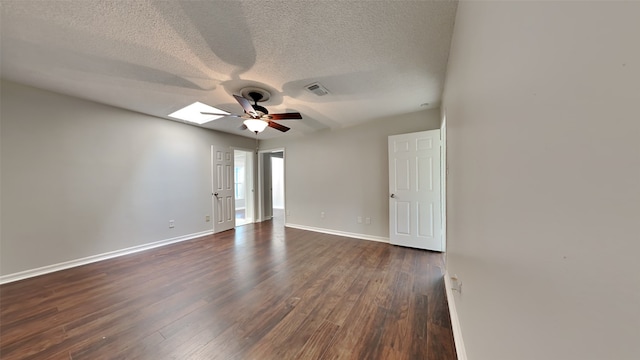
{"points": [[443, 176]]}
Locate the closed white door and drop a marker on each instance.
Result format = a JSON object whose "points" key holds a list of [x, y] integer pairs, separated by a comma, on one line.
{"points": [[223, 186], [415, 217]]}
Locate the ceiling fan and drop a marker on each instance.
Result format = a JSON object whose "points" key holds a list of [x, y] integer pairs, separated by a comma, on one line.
{"points": [[257, 117]]}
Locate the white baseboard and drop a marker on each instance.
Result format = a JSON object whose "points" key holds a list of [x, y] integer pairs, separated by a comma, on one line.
{"points": [[339, 233], [94, 258], [455, 322]]}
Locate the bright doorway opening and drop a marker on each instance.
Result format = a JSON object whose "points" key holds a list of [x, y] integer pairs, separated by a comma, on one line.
{"points": [[272, 185], [277, 183], [243, 186]]}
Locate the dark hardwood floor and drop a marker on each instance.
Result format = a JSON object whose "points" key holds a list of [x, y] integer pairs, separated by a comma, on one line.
{"points": [[258, 292]]}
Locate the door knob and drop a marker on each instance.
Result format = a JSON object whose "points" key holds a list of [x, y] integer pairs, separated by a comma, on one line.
{"points": [[393, 196], [215, 194]]}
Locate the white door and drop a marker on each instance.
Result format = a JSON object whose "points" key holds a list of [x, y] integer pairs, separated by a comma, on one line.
{"points": [[223, 186], [415, 218]]}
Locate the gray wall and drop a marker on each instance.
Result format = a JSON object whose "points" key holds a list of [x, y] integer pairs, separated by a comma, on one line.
{"points": [[344, 173], [543, 133], [81, 179]]}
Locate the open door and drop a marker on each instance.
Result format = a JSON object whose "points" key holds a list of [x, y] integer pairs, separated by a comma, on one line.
{"points": [[415, 211], [267, 190], [223, 189], [270, 197]]}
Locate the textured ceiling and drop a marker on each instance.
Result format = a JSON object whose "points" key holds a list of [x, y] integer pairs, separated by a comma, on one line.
{"points": [[377, 58]]}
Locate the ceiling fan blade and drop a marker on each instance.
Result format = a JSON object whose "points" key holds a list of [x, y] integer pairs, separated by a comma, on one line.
{"points": [[243, 127], [215, 114], [246, 105], [285, 116], [277, 126]]}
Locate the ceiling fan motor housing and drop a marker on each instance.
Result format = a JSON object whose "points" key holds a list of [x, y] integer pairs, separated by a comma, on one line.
{"points": [[256, 95]]}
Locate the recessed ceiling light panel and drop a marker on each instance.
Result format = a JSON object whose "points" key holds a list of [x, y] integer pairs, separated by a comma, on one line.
{"points": [[192, 113]]}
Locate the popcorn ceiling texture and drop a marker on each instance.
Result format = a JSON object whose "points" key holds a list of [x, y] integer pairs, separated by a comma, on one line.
{"points": [[377, 58]]}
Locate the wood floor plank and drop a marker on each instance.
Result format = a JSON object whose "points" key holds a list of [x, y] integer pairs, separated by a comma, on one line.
{"points": [[141, 350], [16, 328], [360, 330], [440, 342], [317, 299], [260, 292], [34, 345], [319, 341], [146, 322]]}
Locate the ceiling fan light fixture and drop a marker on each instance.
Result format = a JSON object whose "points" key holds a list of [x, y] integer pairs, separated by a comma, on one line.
{"points": [[256, 125]]}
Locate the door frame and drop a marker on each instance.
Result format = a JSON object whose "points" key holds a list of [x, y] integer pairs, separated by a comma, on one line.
{"points": [[261, 193], [444, 170]]}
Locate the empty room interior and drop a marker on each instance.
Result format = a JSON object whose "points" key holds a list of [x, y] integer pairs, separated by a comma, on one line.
{"points": [[319, 179]]}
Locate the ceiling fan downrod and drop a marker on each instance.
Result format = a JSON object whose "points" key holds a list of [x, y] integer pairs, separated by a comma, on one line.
{"points": [[256, 96]]}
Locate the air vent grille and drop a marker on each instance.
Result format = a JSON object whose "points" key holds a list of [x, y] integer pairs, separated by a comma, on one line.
{"points": [[317, 89]]}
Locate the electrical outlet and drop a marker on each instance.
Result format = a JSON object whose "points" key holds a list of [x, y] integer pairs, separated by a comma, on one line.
{"points": [[359, 220], [322, 215], [367, 220], [207, 218], [456, 284], [172, 224]]}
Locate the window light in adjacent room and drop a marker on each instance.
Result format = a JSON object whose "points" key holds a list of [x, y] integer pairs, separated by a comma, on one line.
{"points": [[192, 113]]}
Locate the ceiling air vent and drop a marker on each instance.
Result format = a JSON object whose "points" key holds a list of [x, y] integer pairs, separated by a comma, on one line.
{"points": [[317, 89]]}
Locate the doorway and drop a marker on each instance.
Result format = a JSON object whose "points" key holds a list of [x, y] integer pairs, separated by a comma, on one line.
{"points": [[277, 185], [243, 186], [272, 185]]}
